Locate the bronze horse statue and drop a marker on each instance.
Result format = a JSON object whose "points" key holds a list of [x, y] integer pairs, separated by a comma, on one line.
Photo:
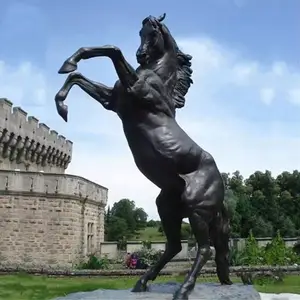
{"points": [[145, 100]]}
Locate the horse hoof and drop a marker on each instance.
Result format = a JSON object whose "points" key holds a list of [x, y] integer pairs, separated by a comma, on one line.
{"points": [[62, 109], [180, 296], [139, 287], [67, 67], [227, 282]]}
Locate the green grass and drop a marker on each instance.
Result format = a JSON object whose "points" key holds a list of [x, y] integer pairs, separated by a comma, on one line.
{"points": [[149, 234], [27, 287]]}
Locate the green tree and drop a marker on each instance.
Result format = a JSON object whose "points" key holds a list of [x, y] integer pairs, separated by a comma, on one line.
{"points": [[267, 190], [289, 184], [262, 228], [134, 217], [140, 218], [231, 201], [152, 223], [286, 226], [186, 231], [124, 209], [117, 229]]}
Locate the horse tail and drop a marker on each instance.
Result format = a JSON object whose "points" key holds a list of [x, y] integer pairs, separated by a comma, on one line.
{"points": [[225, 225], [220, 239]]}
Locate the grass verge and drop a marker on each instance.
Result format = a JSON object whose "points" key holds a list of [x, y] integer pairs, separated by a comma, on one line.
{"points": [[29, 287]]}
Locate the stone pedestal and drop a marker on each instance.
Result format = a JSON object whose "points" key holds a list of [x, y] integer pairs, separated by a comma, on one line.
{"points": [[165, 291]]}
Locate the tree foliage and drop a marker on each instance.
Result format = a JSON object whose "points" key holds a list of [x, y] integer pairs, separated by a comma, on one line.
{"points": [[261, 204], [123, 220]]}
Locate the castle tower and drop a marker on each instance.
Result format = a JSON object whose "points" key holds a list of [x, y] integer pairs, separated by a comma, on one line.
{"points": [[47, 218]]}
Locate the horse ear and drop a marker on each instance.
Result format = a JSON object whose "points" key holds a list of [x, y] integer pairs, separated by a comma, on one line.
{"points": [[161, 18]]}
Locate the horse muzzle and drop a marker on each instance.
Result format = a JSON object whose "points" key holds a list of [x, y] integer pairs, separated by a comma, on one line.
{"points": [[142, 58]]}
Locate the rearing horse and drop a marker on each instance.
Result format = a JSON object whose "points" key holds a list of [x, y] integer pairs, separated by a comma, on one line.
{"points": [[145, 100]]}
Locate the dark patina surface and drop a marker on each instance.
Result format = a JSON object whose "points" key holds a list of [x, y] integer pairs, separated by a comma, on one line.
{"points": [[146, 100]]}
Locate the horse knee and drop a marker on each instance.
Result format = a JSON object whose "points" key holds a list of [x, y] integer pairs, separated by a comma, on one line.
{"points": [[73, 76]]}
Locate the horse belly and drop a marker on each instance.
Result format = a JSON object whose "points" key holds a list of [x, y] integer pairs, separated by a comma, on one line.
{"points": [[157, 168], [182, 152]]}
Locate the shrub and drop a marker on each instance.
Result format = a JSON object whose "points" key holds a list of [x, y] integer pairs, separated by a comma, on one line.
{"points": [[276, 253], [146, 244], [122, 243], [296, 248], [235, 257], [95, 263], [252, 254], [268, 278], [148, 257]]}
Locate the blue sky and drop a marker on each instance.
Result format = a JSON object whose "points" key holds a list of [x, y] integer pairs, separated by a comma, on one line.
{"points": [[244, 105]]}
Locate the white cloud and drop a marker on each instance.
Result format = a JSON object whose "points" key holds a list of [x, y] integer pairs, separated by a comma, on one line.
{"points": [[267, 95], [221, 76], [24, 84], [294, 96]]}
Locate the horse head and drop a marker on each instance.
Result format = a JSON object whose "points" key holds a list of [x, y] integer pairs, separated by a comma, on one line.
{"points": [[154, 40]]}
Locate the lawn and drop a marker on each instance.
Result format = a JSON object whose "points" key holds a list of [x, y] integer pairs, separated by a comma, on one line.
{"points": [[27, 287], [149, 234]]}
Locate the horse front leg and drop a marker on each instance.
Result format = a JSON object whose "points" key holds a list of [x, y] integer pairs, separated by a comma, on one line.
{"points": [[98, 91], [125, 71], [171, 223]]}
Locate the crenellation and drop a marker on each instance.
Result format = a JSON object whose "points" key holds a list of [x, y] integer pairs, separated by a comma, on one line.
{"points": [[20, 117], [5, 105], [43, 130], [53, 135], [61, 141], [29, 145], [33, 122]]}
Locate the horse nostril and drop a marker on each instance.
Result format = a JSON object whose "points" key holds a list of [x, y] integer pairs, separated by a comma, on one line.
{"points": [[141, 57]]}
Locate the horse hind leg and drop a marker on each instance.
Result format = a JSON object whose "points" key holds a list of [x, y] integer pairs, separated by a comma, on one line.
{"points": [[219, 233], [199, 224], [171, 221]]}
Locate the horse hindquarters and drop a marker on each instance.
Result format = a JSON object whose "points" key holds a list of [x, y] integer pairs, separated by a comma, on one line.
{"points": [[204, 197], [201, 199]]}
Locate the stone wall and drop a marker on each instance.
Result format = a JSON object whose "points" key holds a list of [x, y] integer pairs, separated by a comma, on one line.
{"points": [[47, 219], [110, 249], [26, 144]]}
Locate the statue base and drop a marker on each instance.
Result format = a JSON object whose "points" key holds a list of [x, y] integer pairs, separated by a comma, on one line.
{"points": [[165, 291]]}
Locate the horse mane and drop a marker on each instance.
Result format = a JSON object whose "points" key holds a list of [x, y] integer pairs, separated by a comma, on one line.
{"points": [[184, 72], [184, 80]]}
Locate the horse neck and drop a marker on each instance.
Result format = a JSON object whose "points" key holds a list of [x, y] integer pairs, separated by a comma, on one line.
{"points": [[167, 71]]}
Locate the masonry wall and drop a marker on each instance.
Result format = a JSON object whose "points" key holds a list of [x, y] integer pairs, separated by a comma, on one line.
{"points": [[44, 218]]}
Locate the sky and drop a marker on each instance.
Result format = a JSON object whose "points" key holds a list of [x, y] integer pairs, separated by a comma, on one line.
{"points": [[243, 108]]}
